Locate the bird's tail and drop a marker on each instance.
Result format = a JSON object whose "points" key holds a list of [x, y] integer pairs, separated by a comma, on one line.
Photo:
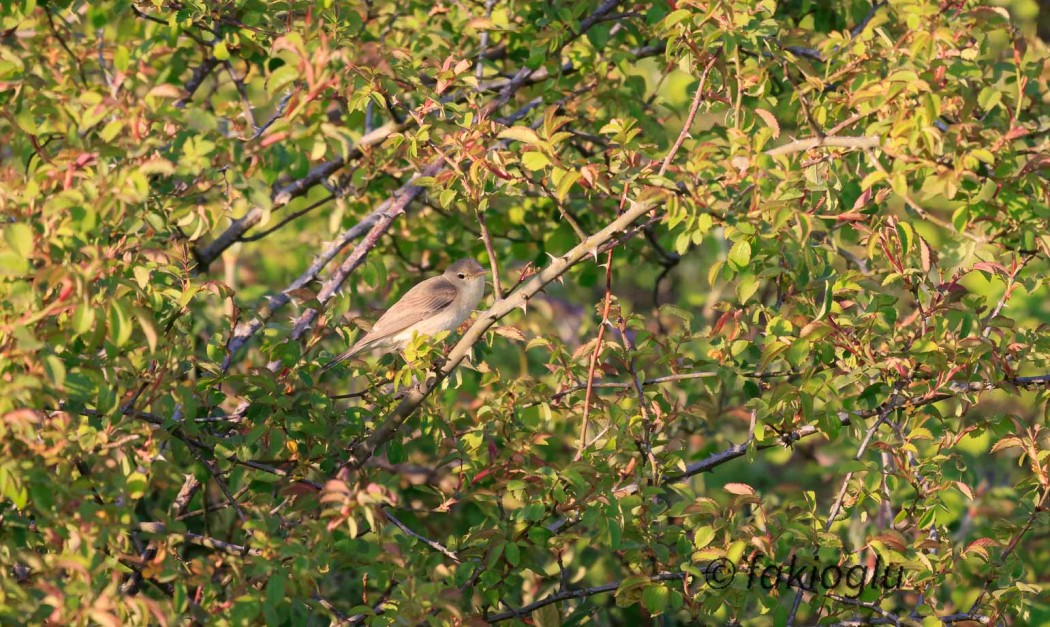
{"points": [[343, 356]]}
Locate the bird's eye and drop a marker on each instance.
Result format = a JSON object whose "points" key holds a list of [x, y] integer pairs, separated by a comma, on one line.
{"points": [[461, 275]]}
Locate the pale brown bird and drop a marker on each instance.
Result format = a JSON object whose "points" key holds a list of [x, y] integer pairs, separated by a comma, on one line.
{"points": [[440, 303]]}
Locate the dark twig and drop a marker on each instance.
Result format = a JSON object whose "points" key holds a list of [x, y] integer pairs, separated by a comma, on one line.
{"points": [[196, 80], [859, 27], [65, 46], [287, 219], [581, 593], [697, 99], [427, 541], [198, 539]]}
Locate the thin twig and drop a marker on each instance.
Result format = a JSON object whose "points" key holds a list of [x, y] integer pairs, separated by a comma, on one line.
{"points": [[581, 593], [200, 73], [888, 408], [697, 99], [65, 46], [198, 539], [246, 105], [594, 358], [277, 114], [287, 219], [497, 287], [437, 546]]}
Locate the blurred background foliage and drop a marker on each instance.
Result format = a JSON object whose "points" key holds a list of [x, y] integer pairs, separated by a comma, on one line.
{"points": [[827, 341]]}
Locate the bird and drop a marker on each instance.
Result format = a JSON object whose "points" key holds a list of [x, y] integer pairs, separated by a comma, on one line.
{"points": [[440, 303]]}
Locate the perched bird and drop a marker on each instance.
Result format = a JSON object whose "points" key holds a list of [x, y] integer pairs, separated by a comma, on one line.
{"points": [[440, 303]]}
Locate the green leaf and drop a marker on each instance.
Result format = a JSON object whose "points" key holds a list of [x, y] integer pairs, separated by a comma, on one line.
{"points": [[136, 485], [220, 51], [56, 370], [548, 616], [827, 301], [19, 237], [703, 536], [872, 178], [989, 97], [565, 184], [119, 323], [83, 318], [674, 17], [522, 134], [512, 553], [535, 160], [739, 255], [655, 598]]}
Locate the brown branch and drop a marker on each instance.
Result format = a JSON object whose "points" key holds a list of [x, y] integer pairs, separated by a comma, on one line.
{"points": [[190, 486], [173, 428], [246, 105], [626, 384], [196, 80], [486, 238], [837, 505], [287, 219], [829, 141], [278, 112], [396, 206], [245, 330], [386, 211], [845, 418], [1040, 507], [643, 406], [198, 539], [282, 196], [209, 253], [340, 618], [594, 358], [219, 481], [859, 27], [697, 99], [1011, 283]]}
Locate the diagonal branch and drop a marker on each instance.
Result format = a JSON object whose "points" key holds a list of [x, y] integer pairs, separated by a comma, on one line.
{"points": [[594, 358], [830, 141], [437, 546], [198, 539], [394, 207], [208, 253], [690, 118]]}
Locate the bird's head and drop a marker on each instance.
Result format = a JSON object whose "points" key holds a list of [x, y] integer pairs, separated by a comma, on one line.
{"points": [[465, 271]]}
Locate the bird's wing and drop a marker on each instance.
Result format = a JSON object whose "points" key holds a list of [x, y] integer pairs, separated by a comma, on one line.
{"points": [[419, 303]]}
